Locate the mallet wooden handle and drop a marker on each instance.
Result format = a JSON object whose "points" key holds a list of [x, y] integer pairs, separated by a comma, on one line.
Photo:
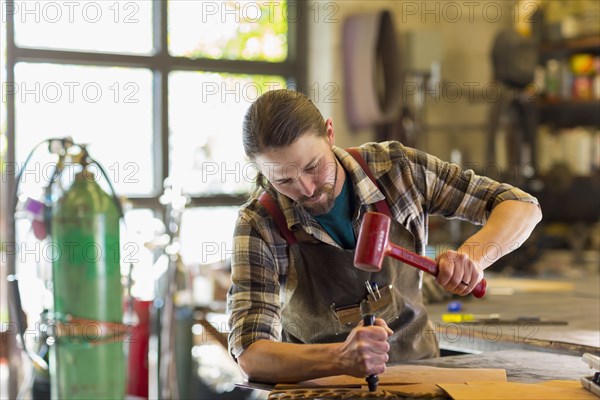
{"points": [[428, 265]]}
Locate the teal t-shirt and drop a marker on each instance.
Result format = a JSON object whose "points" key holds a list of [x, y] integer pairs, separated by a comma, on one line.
{"points": [[338, 222]]}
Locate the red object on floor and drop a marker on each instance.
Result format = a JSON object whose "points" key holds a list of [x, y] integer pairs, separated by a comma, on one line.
{"points": [[137, 384]]}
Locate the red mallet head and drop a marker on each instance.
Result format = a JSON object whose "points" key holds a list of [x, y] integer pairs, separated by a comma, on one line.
{"points": [[372, 244]]}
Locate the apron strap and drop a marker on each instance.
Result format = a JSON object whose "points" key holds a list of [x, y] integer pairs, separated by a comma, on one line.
{"points": [[273, 209], [381, 205]]}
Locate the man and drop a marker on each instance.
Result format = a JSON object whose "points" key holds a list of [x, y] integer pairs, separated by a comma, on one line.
{"points": [[293, 301]]}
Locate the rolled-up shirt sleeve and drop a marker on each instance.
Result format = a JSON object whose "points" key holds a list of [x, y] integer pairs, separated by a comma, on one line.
{"points": [[253, 300]]}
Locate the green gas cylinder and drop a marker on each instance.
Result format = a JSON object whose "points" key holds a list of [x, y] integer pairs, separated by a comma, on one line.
{"points": [[87, 360]]}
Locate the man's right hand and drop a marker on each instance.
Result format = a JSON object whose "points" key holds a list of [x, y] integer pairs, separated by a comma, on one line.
{"points": [[365, 350]]}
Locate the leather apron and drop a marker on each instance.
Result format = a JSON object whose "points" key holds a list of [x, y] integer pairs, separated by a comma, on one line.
{"points": [[327, 281]]}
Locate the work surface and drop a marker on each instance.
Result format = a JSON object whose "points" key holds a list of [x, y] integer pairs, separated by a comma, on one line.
{"points": [[521, 366], [575, 302], [529, 352]]}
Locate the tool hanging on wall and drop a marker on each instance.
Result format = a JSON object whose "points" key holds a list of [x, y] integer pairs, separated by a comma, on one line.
{"points": [[81, 223], [372, 69]]}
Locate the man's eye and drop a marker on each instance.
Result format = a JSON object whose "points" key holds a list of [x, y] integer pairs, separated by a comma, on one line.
{"points": [[312, 167]]}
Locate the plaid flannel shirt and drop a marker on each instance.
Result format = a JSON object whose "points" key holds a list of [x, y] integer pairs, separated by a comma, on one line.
{"points": [[415, 184]]}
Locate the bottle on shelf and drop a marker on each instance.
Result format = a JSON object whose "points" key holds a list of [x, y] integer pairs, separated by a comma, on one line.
{"points": [[582, 66], [552, 79]]}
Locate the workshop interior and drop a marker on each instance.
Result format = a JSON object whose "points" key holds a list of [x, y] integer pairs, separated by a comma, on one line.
{"points": [[123, 172]]}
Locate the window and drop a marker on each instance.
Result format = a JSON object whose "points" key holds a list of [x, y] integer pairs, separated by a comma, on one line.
{"points": [[156, 89]]}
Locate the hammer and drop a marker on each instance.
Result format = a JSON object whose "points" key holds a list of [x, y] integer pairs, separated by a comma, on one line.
{"points": [[373, 245]]}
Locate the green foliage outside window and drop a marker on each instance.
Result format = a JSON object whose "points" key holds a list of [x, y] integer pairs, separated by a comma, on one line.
{"points": [[258, 36]]}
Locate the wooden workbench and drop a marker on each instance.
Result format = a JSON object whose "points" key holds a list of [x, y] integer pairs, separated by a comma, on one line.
{"points": [[521, 366], [579, 307], [529, 353]]}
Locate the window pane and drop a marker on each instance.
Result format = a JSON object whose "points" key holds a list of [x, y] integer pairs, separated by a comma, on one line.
{"points": [[205, 121], [207, 234], [105, 26], [234, 30], [108, 108]]}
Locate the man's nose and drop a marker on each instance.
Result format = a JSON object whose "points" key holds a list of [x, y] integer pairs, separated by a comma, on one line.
{"points": [[307, 185]]}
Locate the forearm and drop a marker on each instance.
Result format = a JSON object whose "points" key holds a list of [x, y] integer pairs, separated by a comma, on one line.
{"points": [[274, 362], [509, 225]]}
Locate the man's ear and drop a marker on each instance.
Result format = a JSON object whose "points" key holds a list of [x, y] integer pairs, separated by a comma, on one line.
{"points": [[330, 132]]}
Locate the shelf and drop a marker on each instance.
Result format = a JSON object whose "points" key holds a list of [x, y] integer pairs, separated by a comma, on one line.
{"points": [[587, 44], [563, 113], [572, 198], [569, 103]]}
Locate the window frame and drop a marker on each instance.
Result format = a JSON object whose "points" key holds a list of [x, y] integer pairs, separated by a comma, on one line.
{"points": [[161, 63]]}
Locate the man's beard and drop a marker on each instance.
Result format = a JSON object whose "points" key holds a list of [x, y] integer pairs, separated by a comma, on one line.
{"points": [[321, 208]]}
